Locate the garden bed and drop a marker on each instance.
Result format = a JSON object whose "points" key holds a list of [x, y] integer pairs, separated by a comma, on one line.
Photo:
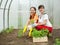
{"points": [[11, 39]]}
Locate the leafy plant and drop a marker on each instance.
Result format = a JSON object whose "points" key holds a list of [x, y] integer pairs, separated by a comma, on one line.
{"points": [[57, 41], [41, 33], [31, 21], [20, 33], [8, 30], [51, 20]]}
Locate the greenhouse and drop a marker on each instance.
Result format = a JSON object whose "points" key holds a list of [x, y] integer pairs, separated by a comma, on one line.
{"points": [[13, 18]]}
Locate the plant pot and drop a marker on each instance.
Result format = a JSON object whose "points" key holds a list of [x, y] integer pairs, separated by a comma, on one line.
{"points": [[40, 39]]}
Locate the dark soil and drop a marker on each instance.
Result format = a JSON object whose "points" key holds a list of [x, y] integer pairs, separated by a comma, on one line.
{"points": [[12, 39]]}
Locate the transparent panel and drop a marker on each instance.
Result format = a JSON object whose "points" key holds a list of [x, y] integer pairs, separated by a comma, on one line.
{"points": [[50, 11], [56, 13], [19, 11], [1, 20], [3, 3], [6, 22], [13, 14], [24, 6]]}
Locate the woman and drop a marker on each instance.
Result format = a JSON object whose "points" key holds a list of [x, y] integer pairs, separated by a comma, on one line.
{"points": [[31, 21], [43, 22]]}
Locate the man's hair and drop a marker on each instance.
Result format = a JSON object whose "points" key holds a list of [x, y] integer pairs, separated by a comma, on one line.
{"points": [[40, 6]]}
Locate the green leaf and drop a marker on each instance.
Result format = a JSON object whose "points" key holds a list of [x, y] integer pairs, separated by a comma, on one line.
{"points": [[41, 33], [20, 33], [57, 41], [31, 21]]}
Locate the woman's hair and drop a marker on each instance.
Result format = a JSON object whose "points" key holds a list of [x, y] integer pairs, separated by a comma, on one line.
{"points": [[40, 6], [34, 8], [33, 15]]}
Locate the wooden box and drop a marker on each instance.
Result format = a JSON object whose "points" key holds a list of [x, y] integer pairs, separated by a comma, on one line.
{"points": [[40, 39]]}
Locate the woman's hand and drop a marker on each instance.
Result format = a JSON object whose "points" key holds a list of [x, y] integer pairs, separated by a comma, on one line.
{"points": [[38, 23], [42, 23]]}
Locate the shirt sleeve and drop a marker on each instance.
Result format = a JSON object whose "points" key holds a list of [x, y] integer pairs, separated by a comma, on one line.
{"points": [[45, 17]]}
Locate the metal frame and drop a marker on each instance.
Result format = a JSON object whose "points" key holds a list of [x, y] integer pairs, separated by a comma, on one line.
{"points": [[1, 2], [4, 14], [8, 13]]}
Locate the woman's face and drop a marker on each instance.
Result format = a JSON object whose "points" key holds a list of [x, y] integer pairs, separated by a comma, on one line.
{"points": [[41, 10], [32, 11]]}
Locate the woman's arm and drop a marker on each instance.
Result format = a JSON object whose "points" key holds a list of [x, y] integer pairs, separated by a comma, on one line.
{"points": [[43, 23], [28, 22], [44, 20]]}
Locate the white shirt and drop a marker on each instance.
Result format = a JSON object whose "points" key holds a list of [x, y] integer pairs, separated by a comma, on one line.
{"points": [[45, 17]]}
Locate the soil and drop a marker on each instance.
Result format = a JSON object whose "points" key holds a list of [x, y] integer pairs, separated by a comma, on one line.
{"points": [[12, 39]]}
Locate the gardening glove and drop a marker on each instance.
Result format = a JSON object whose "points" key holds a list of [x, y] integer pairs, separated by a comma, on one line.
{"points": [[25, 28], [30, 32]]}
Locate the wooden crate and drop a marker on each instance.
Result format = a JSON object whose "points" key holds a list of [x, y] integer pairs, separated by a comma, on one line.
{"points": [[40, 39]]}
